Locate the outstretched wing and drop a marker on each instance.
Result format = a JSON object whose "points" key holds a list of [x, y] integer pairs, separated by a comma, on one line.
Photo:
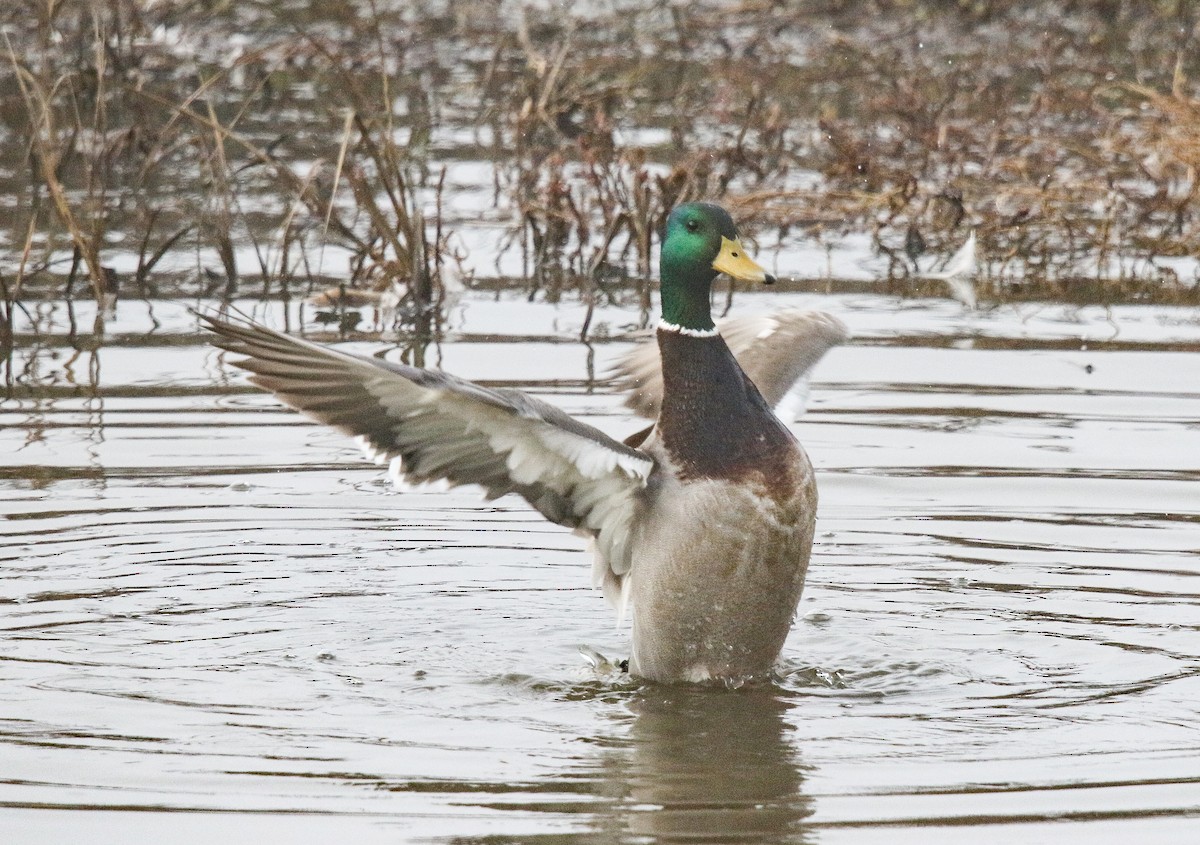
{"points": [[432, 425], [774, 350]]}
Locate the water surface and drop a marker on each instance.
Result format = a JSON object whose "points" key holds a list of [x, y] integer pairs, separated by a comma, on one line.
{"points": [[219, 620]]}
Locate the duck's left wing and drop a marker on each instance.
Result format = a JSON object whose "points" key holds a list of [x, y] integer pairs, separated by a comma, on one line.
{"points": [[775, 350], [431, 425]]}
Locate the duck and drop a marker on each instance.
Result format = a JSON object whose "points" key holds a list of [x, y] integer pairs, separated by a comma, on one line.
{"points": [[701, 524], [386, 294]]}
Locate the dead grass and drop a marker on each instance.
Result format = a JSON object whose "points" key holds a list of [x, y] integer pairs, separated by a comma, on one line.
{"points": [[229, 145]]}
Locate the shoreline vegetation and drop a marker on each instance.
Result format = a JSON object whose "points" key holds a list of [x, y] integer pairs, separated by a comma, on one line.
{"points": [[216, 147]]}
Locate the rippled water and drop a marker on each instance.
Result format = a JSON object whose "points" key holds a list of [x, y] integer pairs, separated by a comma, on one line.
{"points": [[218, 620]]}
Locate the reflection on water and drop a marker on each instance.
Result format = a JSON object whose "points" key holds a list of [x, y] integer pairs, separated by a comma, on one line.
{"points": [[218, 620], [707, 764]]}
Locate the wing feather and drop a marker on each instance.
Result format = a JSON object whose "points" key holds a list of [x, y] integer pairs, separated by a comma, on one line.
{"points": [[432, 426], [775, 350]]}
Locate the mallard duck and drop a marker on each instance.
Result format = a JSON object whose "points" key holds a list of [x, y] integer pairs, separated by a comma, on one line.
{"points": [[702, 525]]}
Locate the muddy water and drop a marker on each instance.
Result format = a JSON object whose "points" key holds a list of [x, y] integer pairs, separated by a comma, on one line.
{"points": [[218, 620]]}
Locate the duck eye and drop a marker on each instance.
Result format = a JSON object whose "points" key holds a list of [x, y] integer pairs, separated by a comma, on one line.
{"points": [[692, 225]]}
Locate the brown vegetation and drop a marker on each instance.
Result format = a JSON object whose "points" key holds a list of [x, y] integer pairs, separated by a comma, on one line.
{"points": [[1065, 135]]}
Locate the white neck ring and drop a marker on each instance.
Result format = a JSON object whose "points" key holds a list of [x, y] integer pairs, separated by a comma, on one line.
{"points": [[663, 325]]}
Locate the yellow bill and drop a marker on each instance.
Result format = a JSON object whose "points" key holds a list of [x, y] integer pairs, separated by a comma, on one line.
{"points": [[734, 261]]}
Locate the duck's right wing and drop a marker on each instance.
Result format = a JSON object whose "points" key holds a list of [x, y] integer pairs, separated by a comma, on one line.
{"points": [[775, 350], [431, 425]]}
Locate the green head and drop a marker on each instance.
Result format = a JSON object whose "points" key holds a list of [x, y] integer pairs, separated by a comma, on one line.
{"points": [[700, 242]]}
